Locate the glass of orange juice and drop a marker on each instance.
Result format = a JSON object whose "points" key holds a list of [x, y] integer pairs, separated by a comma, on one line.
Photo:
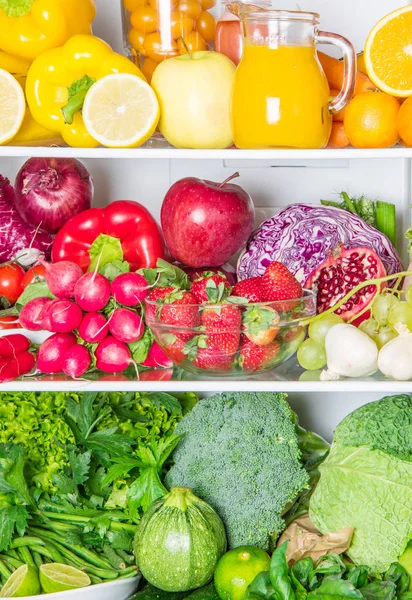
{"points": [[281, 98]]}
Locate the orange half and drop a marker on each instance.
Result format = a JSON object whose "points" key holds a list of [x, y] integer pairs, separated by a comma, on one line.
{"points": [[388, 53]]}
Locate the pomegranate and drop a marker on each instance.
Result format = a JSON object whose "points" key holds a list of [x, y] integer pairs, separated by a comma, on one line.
{"points": [[340, 273]]}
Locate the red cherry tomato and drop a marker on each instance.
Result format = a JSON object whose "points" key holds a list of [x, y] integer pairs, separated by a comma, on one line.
{"points": [[11, 277], [9, 323], [33, 275]]}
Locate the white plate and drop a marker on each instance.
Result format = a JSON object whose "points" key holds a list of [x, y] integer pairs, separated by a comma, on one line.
{"points": [[121, 589]]}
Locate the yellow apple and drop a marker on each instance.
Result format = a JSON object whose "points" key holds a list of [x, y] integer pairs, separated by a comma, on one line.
{"points": [[194, 92]]}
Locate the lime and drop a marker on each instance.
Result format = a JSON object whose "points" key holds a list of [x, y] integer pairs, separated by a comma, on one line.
{"points": [[406, 562], [23, 582], [55, 577], [237, 569]]}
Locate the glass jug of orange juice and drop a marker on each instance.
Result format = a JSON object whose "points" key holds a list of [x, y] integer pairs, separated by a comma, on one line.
{"points": [[281, 98]]}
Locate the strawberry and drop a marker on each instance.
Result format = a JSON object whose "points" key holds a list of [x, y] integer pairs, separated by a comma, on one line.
{"points": [[250, 289], [180, 310], [260, 324], [206, 287], [254, 357], [174, 348], [155, 295], [212, 359], [222, 325], [278, 283]]}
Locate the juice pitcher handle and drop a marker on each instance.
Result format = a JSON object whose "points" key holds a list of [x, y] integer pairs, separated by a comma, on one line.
{"points": [[349, 58]]}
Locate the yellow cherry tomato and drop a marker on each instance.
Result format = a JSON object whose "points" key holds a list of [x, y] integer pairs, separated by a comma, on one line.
{"points": [[136, 39], [206, 25], [148, 68], [131, 5], [190, 7], [180, 24], [144, 19], [207, 4], [156, 50], [192, 43]]}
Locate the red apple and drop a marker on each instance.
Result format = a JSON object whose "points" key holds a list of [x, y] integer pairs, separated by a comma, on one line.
{"points": [[206, 223]]}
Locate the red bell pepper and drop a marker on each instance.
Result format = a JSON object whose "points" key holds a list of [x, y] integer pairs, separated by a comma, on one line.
{"points": [[130, 222]]}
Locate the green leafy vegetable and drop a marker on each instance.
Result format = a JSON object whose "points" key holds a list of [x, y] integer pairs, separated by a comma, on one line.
{"points": [[140, 349], [32, 291], [112, 269], [104, 251]]}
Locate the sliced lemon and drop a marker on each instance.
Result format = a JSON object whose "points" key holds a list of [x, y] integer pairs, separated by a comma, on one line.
{"points": [[23, 582], [121, 111], [56, 577], [12, 106], [388, 53]]}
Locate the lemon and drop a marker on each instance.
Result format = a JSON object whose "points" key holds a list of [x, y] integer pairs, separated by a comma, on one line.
{"points": [[12, 106], [237, 569], [388, 53], [121, 111], [56, 577], [23, 582]]}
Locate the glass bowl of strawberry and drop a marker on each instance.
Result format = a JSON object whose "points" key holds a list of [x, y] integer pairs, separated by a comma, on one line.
{"points": [[213, 329]]}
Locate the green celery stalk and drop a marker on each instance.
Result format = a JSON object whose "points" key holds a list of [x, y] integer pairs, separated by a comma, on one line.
{"points": [[386, 220]]}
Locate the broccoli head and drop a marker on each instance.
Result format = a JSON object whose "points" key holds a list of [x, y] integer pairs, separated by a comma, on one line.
{"points": [[240, 454]]}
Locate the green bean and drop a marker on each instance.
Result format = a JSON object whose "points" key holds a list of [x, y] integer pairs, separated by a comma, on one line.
{"points": [[129, 570], [9, 565], [87, 555], [103, 573], [113, 558], [27, 541], [128, 575], [95, 579], [26, 557], [10, 559], [128, 558], [12, 553], [4, 572], [47, 554], [37, 559]]}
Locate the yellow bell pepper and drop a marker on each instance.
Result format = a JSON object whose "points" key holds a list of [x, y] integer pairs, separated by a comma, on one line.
{"points": [[14, 65], [30, 27], [58, 81]]}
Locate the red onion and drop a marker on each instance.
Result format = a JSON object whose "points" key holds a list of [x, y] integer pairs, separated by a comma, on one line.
{"points": [[49, 191]]}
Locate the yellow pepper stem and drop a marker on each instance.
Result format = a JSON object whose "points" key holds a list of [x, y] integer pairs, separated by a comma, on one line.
{"points": [[16, 8], [77, 94]]}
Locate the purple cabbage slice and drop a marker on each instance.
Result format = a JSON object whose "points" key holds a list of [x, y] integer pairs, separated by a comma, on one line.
{"points": [[301, 236], [15, 234]]}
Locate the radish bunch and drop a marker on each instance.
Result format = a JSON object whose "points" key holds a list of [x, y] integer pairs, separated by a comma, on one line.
{"points": [[80, 316]]}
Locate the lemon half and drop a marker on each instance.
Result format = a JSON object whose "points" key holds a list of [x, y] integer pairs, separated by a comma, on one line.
{"points": [[12, 106]]}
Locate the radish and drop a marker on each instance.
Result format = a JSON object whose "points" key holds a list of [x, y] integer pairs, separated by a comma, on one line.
{"points": [[126, 325], [64, 316], [30, 316], [76, 361], [92, 292], [61, 277], [113, 356], [93, 328], [130, 289], [157, 358], [11, 345], [52, 351], [22, 364]]}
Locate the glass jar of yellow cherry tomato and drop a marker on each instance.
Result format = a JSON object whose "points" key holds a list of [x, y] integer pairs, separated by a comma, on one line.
{"points": [[155, 30]]}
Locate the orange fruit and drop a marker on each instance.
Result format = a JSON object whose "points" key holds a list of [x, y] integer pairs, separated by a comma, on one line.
{"points": [[237, 569], [144, 19], [334, 71], [156, 4], [136, 38], [192, 42], [370, 120], [388, 53], [190, 7], [404, 122], [206, 26], [207, 4], [180, 24], [156, 50], [148, 68], [338, 137], [360, 61]]}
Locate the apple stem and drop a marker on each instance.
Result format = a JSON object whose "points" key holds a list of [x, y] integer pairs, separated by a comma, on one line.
{"points": [[229, 179], [186, 47]]}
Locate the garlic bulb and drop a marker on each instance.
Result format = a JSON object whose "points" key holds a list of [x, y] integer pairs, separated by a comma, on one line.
{"points": [[350, 352], [395, 358]]}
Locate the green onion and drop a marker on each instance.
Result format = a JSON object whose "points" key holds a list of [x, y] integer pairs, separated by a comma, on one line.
{"points": [[386, 220]]}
